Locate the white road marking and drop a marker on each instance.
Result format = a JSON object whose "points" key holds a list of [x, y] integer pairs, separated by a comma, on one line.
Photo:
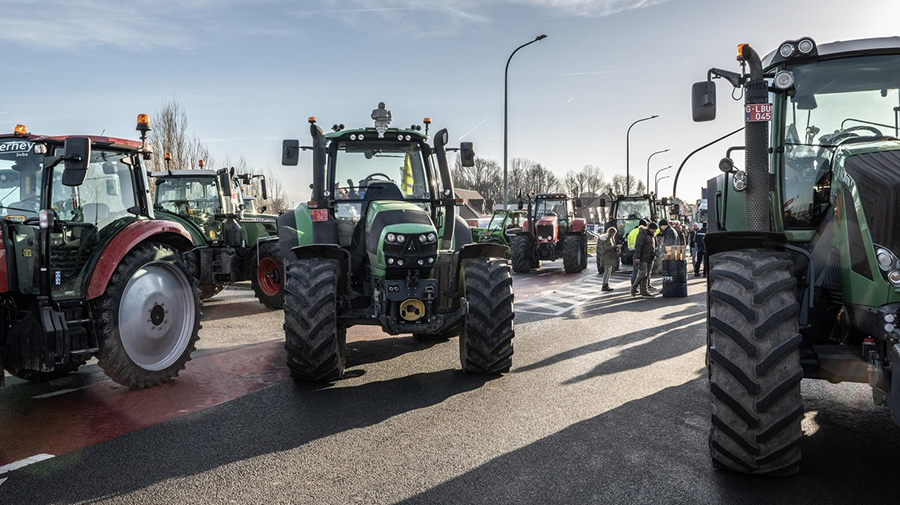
{"points": [[15, 465], [57, 393], [562, 301], [2, 481]]}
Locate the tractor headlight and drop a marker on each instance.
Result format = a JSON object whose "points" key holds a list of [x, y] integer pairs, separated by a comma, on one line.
{"points": [[423, 238], [784, 79], [786, 50], [401, 239], [885, 258], [432, 237], [739, 180], [399, 137], [390, 261], [391, 237], [806, 46], [401, 262], [352, 136], [894, 278]]}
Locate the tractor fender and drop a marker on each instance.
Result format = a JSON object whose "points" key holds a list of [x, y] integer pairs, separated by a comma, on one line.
{"points": [[166, 232], [578, 225], [729, 241], [326, 251], [484, 250]]}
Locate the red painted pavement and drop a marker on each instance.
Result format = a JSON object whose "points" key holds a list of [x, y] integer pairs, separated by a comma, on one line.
{"points": [[105, 410]]}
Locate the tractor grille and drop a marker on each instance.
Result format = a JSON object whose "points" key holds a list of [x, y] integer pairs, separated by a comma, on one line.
{"points": [[545, 231], [877, 177]]}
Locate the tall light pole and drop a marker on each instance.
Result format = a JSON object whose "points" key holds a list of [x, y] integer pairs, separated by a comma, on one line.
{"points": [[506, 121], [657, 179], [648, 166], [628, 152], [656, 189]]}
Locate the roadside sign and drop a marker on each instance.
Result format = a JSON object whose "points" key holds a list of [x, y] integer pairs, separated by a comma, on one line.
{"points": [[758, 112]]}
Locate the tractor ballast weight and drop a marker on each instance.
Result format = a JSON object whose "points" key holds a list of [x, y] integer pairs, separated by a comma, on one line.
{"points": [[804, 275], [379, 243], [86, 267], [551, 232]]}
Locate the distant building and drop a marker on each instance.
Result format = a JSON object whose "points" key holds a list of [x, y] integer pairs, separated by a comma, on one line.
{"points": [[475, 206]]}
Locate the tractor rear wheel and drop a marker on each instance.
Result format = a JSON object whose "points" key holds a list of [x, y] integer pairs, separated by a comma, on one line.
{"points": [[148, 320], [267, 275], [522, 253], [754, 363], [485, 339], [316, 346], [573, 254]]}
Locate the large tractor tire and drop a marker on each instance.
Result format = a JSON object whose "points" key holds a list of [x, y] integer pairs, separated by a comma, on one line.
{"points": [[207, 291], [485, 339], [316, 346], [36, 376], [267, 275], [522, 252], [754, 363], [574, 257], [148, 320], [584, 252]]}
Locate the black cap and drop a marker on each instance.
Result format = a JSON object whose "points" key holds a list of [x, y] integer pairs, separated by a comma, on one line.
{"points": [[652, 226], [642, 222], [663, 222]]}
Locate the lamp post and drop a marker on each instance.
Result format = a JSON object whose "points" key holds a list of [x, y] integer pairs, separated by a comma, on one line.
{"points": [[656, 189], [628, 152], [505, 119], [648, 166], [657, 179]]}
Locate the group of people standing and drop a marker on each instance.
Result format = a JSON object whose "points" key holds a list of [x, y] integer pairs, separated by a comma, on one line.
{"points": [[648, 241]]}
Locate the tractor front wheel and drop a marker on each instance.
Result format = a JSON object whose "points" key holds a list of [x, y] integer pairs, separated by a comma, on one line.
{"points": [[754, 363], [574, 257], [316, 346], [267, 275], [148, 320], [522, 252], [485, 339]]}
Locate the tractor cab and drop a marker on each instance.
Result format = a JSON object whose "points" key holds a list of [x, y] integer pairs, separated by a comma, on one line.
{"points": [[626, 212], [197, 196]]}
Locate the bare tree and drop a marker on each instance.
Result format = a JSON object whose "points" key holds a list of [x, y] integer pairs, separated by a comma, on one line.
{"points": [[170, 135], [277, 197], [485, 177]]}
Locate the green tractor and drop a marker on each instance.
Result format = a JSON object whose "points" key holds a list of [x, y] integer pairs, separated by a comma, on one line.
{"points": [[804, 275], [230, 244], [502, 223], [625, 213], [379, 244], [87, 270]]}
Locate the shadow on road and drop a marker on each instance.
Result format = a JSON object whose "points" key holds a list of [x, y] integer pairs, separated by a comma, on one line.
{"points": [[238, 430], [228, 310], [654, 450]]}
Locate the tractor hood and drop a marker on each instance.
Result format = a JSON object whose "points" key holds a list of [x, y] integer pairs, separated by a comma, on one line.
{"points": [[400, 237], [547, 221], [875, 169]]}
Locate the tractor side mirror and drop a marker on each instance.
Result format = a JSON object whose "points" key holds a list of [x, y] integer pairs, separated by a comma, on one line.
{"points": [[290, 152], [603, 202], [703, 101], [265, 192], [578, 203], [467, 154], [225, 183], [78, 154], [676, 209]]}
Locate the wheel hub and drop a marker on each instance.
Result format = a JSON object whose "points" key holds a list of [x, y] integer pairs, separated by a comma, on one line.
{"points": [[157, 315]]}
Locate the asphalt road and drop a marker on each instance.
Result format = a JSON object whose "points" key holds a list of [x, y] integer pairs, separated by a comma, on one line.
{"points": [[606, 403]]}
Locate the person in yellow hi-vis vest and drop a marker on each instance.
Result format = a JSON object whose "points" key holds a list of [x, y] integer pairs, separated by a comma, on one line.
{"points": [[406, 176], [632, 238]]}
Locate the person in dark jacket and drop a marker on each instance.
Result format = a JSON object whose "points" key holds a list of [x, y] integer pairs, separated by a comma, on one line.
{"points": [[701, 250], [607, 255], [644, 254]]}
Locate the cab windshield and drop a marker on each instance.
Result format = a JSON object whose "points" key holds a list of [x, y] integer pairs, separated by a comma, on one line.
{"points": [[545, 207], [835, 102], [497, 221], [188, 195], [632, 209], [20, 179], [358, 164]]}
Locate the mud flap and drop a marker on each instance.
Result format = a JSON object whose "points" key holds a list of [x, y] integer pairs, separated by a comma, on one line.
{"points": [[894, 400]]}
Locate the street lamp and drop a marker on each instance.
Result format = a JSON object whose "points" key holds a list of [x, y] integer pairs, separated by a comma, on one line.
{"points": [[648, 166], [628, 151], [505, 119], [656, 189], [657, 179]]}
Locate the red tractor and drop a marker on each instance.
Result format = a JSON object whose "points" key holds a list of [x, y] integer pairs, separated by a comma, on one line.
{"points": [[551, 232], [86, 269]]}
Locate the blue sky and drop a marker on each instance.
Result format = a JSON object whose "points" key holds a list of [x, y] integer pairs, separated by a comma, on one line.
{"points": [[250, 73]]}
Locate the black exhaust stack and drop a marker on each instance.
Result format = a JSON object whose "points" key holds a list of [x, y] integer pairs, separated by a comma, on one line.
{"points": [[756, 139]]}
